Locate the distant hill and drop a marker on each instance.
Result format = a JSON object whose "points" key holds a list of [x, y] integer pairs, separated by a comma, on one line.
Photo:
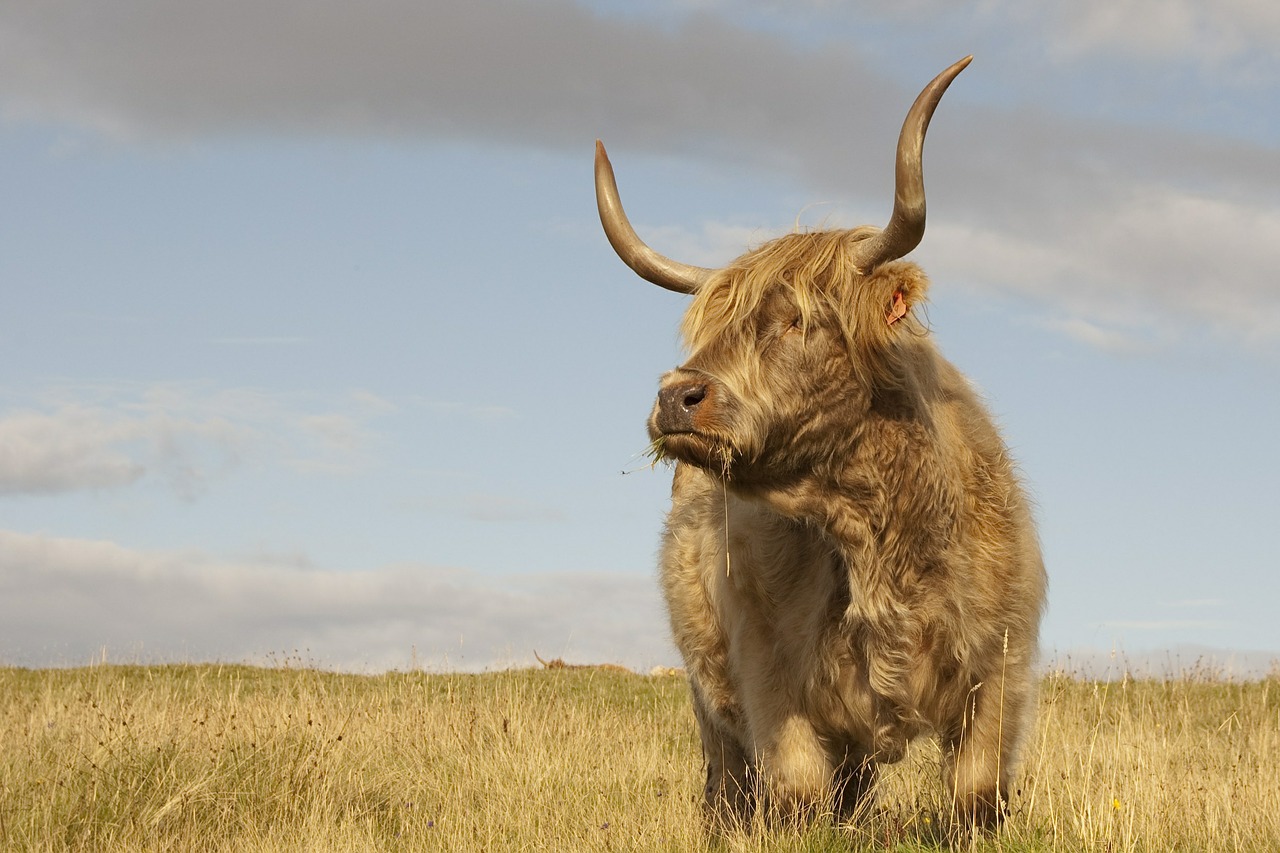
{"points": [[1187, 661]]}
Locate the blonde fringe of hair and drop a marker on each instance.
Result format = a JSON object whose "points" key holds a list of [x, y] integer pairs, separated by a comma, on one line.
{"points": [[820, 271]]}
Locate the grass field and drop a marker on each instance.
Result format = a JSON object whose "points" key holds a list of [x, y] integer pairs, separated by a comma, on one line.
{"points": [[228, 758]]}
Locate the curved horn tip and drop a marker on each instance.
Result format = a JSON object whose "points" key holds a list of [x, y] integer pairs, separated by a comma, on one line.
{"points": [[949, 73], [906, 225], [648, 264], [953, 70]]}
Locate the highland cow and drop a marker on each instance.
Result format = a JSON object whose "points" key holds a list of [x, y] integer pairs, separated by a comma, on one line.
{"points": [[849, 560]]}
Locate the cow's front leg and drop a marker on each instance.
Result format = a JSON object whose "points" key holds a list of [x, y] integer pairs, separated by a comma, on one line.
{"points": [[728, 795], [795, 771], [854, 780], [978, 754]]}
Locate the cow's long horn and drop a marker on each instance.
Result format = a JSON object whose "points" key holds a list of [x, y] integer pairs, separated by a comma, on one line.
{"points": [[906, 225], [647, 263]]}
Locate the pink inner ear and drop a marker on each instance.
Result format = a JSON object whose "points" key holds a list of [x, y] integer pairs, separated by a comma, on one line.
{"points": [[899, 308]]}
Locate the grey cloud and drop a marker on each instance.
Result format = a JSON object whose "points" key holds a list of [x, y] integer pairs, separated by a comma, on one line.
{"points": [[556, 73], [548, 71], [1087, 205], [63, 600]]}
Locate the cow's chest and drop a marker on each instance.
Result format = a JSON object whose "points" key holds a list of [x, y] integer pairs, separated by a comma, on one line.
{"points": [[796, 622]]}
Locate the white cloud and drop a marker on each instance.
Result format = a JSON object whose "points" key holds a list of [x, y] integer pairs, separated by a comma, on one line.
{"points": [[1154, 263], [714, 244], [1210, 33], [94, 437], [69, 451], [1207, 33], [73, 448], [1131, 276], [62, 600], [1114, 341]]}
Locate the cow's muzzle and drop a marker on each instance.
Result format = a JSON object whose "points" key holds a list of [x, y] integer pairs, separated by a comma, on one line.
{"points": [[679, 403], [692, 420]]}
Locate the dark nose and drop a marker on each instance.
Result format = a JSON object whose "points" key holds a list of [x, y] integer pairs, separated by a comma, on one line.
{"points": [[678, 404]]}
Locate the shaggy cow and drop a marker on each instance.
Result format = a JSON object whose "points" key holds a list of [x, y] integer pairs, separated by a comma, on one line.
{"points": [[849, 560]]}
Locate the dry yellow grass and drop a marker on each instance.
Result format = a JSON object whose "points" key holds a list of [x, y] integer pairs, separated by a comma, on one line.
{"points": [[238, 758]]}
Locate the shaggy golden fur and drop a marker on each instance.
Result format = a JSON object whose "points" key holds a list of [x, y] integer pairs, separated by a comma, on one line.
{"points": [[849, 560]]}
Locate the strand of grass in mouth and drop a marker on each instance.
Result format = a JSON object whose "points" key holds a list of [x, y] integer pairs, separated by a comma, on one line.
{"points": [[657, 450], [724, 486], [653, 453]]}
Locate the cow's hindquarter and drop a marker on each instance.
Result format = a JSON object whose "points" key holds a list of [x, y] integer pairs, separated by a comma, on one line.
{"points": [[979, 597], [982, 731]]}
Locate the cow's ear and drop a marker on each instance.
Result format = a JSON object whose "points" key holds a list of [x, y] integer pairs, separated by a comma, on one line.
{"points": [[897, 288]]}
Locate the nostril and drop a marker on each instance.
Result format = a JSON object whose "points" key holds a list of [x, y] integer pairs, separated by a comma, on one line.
{"points": [[694, 396], [681, 402]]}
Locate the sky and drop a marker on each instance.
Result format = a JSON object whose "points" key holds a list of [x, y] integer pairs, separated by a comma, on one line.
{"points": [[313, 349]]}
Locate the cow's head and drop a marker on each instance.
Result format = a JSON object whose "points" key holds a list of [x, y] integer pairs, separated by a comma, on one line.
{"points": [[790, 342]]}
